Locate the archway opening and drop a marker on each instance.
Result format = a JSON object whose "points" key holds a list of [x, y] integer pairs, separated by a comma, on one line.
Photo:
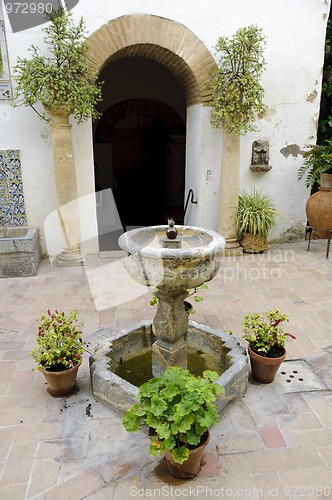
{"points": [[139, 143]]}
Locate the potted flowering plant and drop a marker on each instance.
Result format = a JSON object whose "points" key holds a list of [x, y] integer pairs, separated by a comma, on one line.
{"points": [[179, 408], [59, 352], [266, 340]]}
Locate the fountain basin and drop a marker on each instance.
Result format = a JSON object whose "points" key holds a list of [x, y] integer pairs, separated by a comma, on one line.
{"points": [[19, 251], [122, 362], [151, 264]]}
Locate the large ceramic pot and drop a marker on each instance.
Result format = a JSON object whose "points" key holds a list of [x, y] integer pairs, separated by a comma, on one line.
{"points": [[319, 207], [190, 468], [264, 369], [61, 383]]}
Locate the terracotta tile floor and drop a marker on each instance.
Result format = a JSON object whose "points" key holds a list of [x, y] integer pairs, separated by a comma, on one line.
{"points": [[270, 443]]}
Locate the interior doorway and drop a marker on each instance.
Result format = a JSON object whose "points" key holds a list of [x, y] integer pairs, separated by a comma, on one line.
{"points": [[139, 145]]}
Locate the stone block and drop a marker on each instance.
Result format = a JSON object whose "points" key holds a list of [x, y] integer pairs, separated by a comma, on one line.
{"points": [[20, 252]]}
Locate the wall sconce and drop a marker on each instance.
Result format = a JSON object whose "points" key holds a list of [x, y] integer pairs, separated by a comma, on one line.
{"points": [[260, 156]]}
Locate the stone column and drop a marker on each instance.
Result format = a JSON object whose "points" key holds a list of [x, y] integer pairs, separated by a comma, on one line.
{"points": [[229, 193], [66, 190], [170, 326]]}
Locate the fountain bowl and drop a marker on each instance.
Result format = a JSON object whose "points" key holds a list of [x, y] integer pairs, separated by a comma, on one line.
{"points": [[150, 263]]}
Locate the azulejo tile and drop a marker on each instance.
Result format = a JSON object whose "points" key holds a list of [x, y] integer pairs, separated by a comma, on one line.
{"points": [[12, 208]]}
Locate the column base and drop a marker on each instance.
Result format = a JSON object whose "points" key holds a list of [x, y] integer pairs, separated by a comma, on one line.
{"points": [[232, 248], [71, 259], [163, 358]]}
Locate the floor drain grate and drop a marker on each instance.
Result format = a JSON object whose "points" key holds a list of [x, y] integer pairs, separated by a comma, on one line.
{"points": [[297, 376]]}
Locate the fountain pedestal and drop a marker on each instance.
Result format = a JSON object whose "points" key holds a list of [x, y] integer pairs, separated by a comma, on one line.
{"points": [[170, 326]]}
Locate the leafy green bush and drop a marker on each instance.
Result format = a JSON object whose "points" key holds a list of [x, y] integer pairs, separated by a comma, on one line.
{"points": [[235, 85], [59, 340], [179, 407], [63, 77]]}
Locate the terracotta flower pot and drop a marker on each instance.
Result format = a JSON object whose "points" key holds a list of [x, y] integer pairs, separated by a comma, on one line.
{"points": [[61, 383], [190, 468], [264, 369]]}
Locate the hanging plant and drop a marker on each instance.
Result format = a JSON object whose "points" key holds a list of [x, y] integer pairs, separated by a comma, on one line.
{"points": [[64, 76], [235, 85]]}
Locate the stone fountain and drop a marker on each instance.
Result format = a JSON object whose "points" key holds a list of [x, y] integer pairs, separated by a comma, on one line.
{"points": [[172, 261]]}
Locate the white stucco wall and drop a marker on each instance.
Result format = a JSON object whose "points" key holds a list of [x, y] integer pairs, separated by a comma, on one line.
{"points": [[295, 34]]}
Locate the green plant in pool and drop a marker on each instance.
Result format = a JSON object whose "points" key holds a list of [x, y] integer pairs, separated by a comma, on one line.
{"points": [[179, 407], [191, 293]]}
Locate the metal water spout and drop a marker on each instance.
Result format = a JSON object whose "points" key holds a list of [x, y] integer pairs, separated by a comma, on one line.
{"points": [[171, 239]]}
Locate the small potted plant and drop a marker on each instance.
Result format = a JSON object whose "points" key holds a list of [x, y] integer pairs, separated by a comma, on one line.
{"points": [[255, 217], [59, 352], [266, 340], [179, 408]]}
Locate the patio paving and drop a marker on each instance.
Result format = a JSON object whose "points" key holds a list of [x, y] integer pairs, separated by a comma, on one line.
{"points": [[274, 442]]}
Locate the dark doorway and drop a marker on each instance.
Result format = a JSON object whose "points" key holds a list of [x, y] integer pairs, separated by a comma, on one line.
{"points": [[139, 157], [140, 143]]}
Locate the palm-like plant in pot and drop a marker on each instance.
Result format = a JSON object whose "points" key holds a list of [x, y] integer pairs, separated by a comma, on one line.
{"points": [[317, 171], [59, 351], [255, 217], [266, 340], [179, 407], [317, 161]]}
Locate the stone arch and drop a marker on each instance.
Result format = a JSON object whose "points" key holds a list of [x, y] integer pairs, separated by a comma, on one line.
{"points": [[163, 40], [131, 107]]}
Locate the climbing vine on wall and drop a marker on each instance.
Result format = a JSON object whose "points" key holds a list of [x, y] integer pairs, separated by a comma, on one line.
{"points": [[324, 132], [1, 63]]}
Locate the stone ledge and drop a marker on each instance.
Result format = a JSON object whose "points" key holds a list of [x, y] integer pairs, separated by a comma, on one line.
{"points": [[120, 394], [20, 252]]}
